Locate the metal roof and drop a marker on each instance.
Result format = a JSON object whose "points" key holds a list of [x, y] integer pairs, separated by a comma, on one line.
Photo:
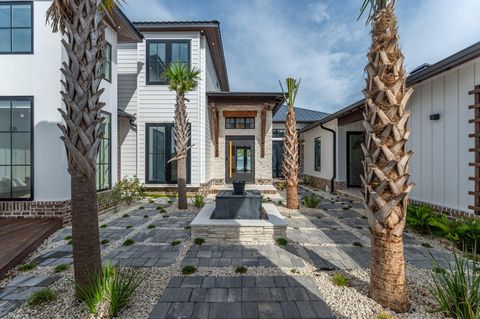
{"points": [[418, 75], [301, 115], [258, 97]]}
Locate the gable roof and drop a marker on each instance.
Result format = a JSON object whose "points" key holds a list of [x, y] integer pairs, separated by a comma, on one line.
{"points": [[211, 30], [301, 115], [126, 31], [422, 73]]}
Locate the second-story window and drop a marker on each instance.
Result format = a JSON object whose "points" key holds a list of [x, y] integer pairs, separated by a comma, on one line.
{"points": [[107, 64], [160, 53], [16, 31], [240, 122]]}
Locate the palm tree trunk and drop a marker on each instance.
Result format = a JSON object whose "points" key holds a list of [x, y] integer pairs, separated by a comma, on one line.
{"points": [[385, 178], [291, 166], [182, 137], [85, 232]]}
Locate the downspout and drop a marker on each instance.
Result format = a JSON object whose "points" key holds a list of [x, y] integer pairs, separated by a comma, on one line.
{"points": [[332, 182]]}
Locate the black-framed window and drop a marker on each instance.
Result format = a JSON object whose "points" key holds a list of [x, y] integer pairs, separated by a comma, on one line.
{"points": [[107, 64], [103, 178], [16, 27], [160, 53], [278, 132], [159, 149], [318, 154], [16, 148], [240, 122]]}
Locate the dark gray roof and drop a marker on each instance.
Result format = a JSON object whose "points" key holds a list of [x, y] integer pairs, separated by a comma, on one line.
{"points": [[175, 22], [301, 115], [422, 73]]}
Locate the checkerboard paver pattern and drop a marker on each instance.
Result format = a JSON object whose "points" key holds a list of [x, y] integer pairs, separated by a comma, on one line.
{"points": [[138, 255], [241, 297]]}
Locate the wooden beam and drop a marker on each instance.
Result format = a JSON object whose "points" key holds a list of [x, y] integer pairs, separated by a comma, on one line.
{"points": [[214, 127], [263, 131], [239, 113]]}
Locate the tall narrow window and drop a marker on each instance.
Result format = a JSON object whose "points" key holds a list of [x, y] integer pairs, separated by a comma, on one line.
{"points": [[160, 53], [107, 64], [103, 178], [16, 148], [318, 154], [16, 30], [160, 148]]}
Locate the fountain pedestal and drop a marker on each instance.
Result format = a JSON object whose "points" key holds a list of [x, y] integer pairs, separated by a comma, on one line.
{"points": [[229, 205]]}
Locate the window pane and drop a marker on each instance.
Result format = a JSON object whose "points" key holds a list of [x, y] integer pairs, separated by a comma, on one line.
{"points": [[105, 176], [5, 149], [156, 151], [21, 16], [180, 52], [5, 181], [21, 116], [107, 64], [21, 182], [4, 115], [4, 16], [21, 40], [21, 148], [157, 62], [5, 40]]}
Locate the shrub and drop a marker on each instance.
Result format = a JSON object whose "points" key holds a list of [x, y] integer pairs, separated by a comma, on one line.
{"points": [[141, 207], [311, 201], [339, 280], [175, 242], [384, 315], [281, 241], [198, 200], [115, 286], [128, 242], [188, 270], [457, 290], [151, 226], [128, 226], [199, 241], [281, 186], [188, 227], [161, 210], [103, 226], [145, 216], [128, 190], [241, 270], [27, 267], [125, 215], [426, 245], [41, 296], [357, 244], [295, 271], [69, 237], [70, 242], [61, 268], [104, 241]]}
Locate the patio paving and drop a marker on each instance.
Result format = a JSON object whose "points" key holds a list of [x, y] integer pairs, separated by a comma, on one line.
{"points": [[139, 255]]}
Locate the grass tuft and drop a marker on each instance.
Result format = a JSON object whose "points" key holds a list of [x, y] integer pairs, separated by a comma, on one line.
{"points": [[281, 241], [188, 270], [175, 242], [295, 271], [145, 216], [188, 227], [141, 207], [241, 270], [69, 237], [41, 296], [311, 201], [384, 315], [151, 226], [426, 245], [357, 244], [27, 267], [199, 241], [61, 268], [125, 215], [198, 200], [104, 241], [339, 280], [103, 226], [128, 242], [128, 226]]}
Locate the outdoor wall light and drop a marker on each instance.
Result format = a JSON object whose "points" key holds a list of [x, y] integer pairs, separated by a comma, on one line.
{"points": [[434, 117]]}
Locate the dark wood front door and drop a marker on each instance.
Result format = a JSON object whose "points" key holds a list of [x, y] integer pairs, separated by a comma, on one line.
{"points": [[354, 158], [240, 158]]}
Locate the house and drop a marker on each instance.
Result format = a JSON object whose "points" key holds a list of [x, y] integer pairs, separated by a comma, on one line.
{"points": [[231, 132], [440, 138], [303, 117], [34, 181]]}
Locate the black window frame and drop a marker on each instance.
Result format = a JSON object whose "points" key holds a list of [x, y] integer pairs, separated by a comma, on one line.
{"points": [[168, 57], [103, 113], [108, 61], [11, 3], [275, 132], [32, 148], [240, 121], [317, 163], [169, 179]]}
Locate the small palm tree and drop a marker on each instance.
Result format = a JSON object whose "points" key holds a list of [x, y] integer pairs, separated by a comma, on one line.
{"points": [[181, 80], [291, 165], [82, 25], [385, 177]]}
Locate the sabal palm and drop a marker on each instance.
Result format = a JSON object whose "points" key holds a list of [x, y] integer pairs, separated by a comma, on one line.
{"points": [[385, 177], [291, 165], [81, 22], [181, 79]]}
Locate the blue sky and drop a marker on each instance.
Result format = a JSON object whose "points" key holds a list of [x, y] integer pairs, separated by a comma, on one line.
{"points": [[319, 41]]}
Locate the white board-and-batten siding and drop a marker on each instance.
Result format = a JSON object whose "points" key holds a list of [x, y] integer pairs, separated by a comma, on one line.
{"points": [[440, 164]]}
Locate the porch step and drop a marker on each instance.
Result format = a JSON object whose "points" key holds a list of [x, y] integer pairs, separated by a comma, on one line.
{"points": [[265, 189]]}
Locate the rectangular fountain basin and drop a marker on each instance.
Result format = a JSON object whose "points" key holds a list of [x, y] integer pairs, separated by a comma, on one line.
{"points": [[231, 206]]}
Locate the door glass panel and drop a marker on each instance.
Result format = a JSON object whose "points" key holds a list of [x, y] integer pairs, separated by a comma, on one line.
{"points": [[5, 148], [156, 150], [240, 159], [355, 159], [4, 16], [21, 148], [21, 182], [21, 116], [4, 116], [5, 181]]}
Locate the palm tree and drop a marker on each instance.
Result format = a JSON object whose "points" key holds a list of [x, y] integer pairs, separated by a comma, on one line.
{"points": [[82, 26], [291, 165], [385, 178], [181, 80]]}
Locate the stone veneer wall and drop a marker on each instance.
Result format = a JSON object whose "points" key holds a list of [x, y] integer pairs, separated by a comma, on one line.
{"points": [[321, 183], [242, 234]]}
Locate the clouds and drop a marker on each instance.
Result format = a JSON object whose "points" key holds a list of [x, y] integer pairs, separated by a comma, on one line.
{"points": [[319, 41]]}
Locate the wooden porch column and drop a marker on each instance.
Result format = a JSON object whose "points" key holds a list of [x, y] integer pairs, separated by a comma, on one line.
{"points": [[214, 127], [263, 131]]}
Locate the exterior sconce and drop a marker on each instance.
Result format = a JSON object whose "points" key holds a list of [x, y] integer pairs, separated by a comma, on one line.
{"points": [[434, 117]]}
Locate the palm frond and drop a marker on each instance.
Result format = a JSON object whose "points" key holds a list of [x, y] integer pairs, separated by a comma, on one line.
{"points": [[292, 89], [181, 78], [374, 6]]}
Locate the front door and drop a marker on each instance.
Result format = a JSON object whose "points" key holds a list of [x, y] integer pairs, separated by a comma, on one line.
{"points": [[240, 158], [354, 158]]}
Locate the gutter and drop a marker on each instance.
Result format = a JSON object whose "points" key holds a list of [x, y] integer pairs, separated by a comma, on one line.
{"points": [[334, 176]]}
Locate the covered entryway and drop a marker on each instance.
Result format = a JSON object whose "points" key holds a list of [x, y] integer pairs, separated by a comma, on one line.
{"points": [[354, 158], [240, 158]]}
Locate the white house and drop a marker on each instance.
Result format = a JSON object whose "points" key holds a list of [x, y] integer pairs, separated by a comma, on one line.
{"points": [[440, 138], [33, 167], [230, 131]]}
